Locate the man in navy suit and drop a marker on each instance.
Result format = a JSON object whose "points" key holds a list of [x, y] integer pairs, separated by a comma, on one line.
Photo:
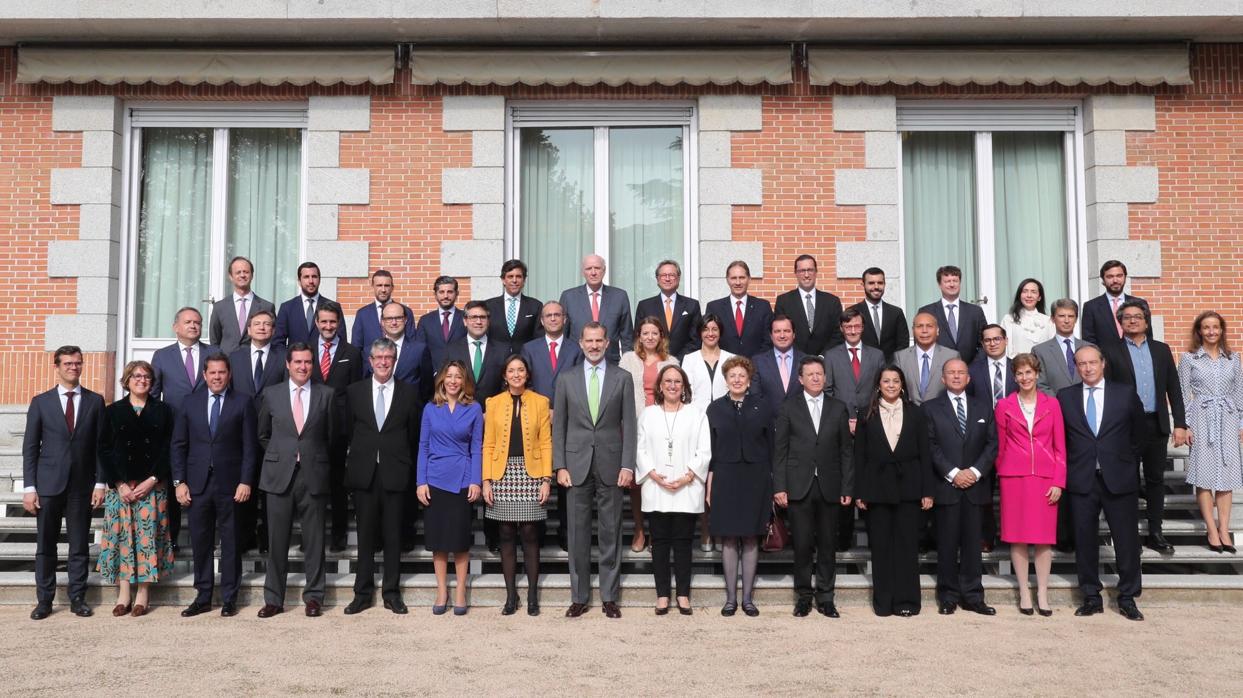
{"points": [[816, 314], [745, 319], [444, 324], [992, 380], [214, 456], [482, 356], [960, 322], [1104, 436], [776, 370], [963, 436], [1100, 324], [295, 321], [63, 478], [514, 315], [893, 334], [595, 301], [179, 372], [338, 364], [253, 367], [414, 362], [678, 314], [368, 324]]}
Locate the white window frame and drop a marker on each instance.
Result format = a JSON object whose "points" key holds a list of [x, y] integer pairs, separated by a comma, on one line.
{"points": [[220, 116], [600, 115], [976, 120]]}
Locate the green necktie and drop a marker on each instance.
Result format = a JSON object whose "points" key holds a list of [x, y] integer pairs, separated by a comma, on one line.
{"points": [[593, 394], [477, 365]]}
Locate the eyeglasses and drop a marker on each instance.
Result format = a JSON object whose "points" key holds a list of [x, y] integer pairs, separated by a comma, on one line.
{"points": [[140, 377], [1130, 318], [993, 340], [477, 317], [395, 319]]}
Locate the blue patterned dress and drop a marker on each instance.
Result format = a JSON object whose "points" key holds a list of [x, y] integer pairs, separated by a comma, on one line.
{"points": [[1213, 393]]}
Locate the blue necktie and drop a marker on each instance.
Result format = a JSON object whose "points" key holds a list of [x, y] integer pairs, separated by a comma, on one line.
{"points": [[962, 416], [1091, 411], [924, 374], [310, 316], [1070, 358], [214, 416]]}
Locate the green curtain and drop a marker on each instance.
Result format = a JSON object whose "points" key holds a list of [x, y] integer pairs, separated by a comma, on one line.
{"points": [[938, 212], [264, 205], [174, 227], [1029, 200], [645, 204], [557, 205]]}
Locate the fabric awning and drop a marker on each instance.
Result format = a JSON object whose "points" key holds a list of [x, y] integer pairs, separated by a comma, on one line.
{"points": [[1146, 65], [215, 67], [610, 67]]}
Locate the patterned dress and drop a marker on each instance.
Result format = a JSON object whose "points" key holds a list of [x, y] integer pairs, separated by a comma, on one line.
{"points": [[136, 546], [1213, 393], [516, 495]]}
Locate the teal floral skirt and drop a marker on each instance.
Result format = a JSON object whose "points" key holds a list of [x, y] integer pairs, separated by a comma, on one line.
{"points": [[136, 547]]}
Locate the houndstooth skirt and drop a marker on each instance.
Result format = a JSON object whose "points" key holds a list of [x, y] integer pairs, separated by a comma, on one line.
{"points": [[515, 496]]}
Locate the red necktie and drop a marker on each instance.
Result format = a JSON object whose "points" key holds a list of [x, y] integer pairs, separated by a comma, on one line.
{"points": [[69, 410], [444, 326], [854, 363], [738, 316], [325, 361], [552, 355], [595, 306]]}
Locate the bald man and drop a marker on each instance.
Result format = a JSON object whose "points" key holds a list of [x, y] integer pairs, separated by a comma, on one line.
{"points": [[595, 302]]}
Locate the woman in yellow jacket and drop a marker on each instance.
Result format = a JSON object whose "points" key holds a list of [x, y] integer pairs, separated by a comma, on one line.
{"points": [[517, 475]]}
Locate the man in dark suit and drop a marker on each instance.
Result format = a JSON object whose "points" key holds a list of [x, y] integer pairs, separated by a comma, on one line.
{"points": [[745, 319], [813, 470], [253, 367], [368, 321], [230, 316], [443, 325], [776, 369], [992, 380], [815, 314], [295, 321], [337, 365], [384, 438], [482, 356], [1104, 426], [893, 333], [63, 478], [963, 436], [214, 455], [1100, 324], [1148, 367], [960, 322], [296, 431], [678, 314], [178, 372], [514, 316], [595, 301]]}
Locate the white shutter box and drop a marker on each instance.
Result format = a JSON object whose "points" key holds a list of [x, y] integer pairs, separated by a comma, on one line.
{"points": [[552, 114], [243, 115], [915, 115]]}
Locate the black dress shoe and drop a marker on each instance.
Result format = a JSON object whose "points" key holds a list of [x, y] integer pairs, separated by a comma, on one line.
{"points": [[611, 610], [1157, 542], [79, 608], [750, 609], [407, 546], [1130, 612], [1027, 611], [828, 610], [41, 611], [1089, 608], [575, 610], [396, 606], [511, 605], [532, 607], [802, 608], [196, 608], [338, 544], [313, 609], [844, 544], [729, 609], [906, 613], [947, 608], [270, 610], [229, 609], [358, 606], [979, 607]]}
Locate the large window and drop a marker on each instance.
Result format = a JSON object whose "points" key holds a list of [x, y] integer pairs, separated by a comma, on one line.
{"points": [[992, 189], [205, 186], [609, 180]]}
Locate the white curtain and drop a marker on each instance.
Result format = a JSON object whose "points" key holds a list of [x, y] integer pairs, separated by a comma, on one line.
{"points": [[1029, 200], [174, 227], [557, 206], [645, 205], [938, 210], [264, 205]]}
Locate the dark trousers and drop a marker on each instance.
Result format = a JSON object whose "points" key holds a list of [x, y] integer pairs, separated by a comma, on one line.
{"points": [[959, 567], [1065, 520], [563, 508], [312, 509], [73, 506], [1153, 457], [252, 521], [813, 528], [672, 530], [988, 514], [380, 515], [845, 527], [210, 512], [893, 533], [174, 514], [340, 500], [1123, 518]]}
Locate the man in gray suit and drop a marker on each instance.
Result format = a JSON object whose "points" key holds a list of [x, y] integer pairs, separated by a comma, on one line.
{"points": [[921, 363], [595, 302], [226, 330], [1057, 355], [295, 433], [593, 451]]}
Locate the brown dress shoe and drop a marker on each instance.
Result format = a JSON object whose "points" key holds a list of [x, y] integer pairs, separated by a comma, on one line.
{"points": [[611, 610], [139, 610], [121, 609], [313, 609], [270, 610], [575, 610]]}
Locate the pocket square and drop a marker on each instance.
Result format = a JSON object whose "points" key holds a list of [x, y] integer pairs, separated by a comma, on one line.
{"points": [[979, 421], [685, 313]]}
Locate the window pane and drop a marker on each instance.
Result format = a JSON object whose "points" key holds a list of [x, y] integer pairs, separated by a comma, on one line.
{"points": [[1029, 199], [557, 206], [265, 171], [938, 212], [645, 204], [173, 226]]}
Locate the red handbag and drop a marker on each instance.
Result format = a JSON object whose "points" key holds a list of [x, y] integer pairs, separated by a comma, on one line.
{"points": [[778, 536]]}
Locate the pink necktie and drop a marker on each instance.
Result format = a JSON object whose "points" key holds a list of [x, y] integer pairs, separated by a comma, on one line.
{"points": [[785, 371], [241, 317], [191, 374], [444, 326], [298, 418], [595, 307], [1117, 324]]}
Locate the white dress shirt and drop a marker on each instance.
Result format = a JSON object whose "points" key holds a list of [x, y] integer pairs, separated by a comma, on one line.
{"points": [[733, 306], [211, 397], [966, 409]]}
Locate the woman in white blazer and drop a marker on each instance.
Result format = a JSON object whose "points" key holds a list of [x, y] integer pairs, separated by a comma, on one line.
{"points": [[671, 467], [651, 353], [703, 369]]}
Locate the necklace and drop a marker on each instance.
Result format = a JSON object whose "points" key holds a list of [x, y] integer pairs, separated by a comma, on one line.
{"points": [[669, 425]]}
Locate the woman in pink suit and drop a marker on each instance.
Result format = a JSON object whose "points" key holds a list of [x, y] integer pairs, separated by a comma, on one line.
{"points": [[1031, 469]]}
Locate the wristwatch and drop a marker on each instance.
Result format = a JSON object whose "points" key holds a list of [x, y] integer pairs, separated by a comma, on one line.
{"points": [[176, 483]]}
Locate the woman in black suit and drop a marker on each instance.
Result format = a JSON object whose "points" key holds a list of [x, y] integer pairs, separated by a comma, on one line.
{"points": [[740, 483], [893, 481]]}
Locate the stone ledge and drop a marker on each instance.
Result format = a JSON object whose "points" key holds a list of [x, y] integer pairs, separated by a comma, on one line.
{"points": [[341, 113], [86, 113], [473, 113], [731, 113], [865, 113], [1120, 113], [1122, 185]]}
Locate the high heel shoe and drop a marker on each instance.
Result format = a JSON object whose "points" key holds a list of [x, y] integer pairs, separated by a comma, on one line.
{"points": [[1046, 612], [639, 543], [511, 605], [1229, 547], [1025, 611]]}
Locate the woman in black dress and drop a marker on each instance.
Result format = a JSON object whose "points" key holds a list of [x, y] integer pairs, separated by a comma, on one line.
{"points": [[740, 487], [893, 481]]}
